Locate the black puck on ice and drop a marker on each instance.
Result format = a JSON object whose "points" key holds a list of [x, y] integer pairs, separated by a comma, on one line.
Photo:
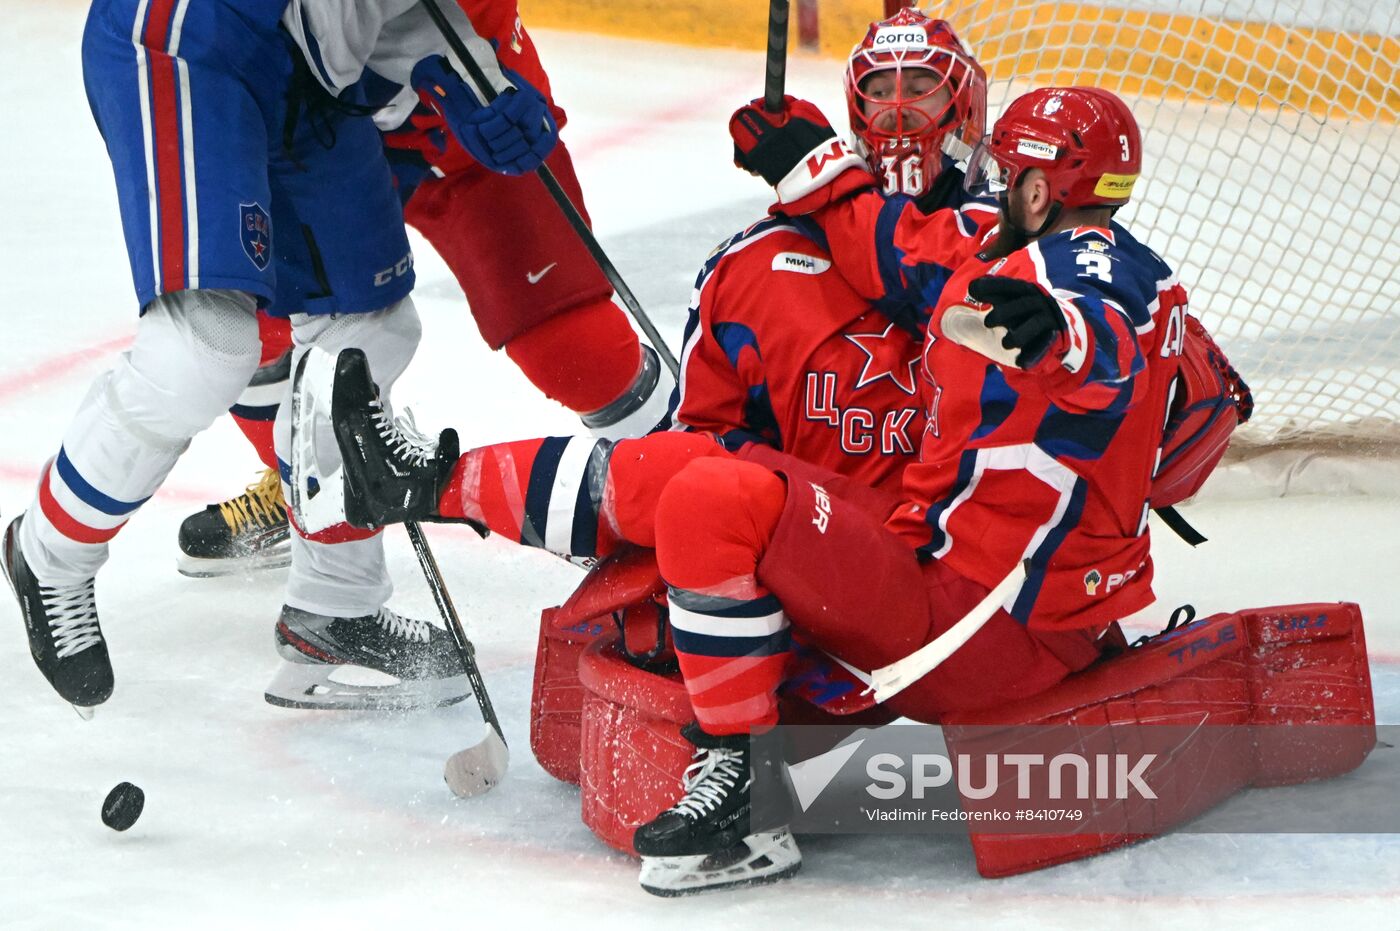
{"points": [[123, 806]]}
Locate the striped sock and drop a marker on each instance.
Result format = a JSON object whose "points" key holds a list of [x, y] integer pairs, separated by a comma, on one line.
{"points": [[733, 654], [546, 493]]}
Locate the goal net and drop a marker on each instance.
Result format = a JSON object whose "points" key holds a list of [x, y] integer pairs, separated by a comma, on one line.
{"points": [[1271, 180]]}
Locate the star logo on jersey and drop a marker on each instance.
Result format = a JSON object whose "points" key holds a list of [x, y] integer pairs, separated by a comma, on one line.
{"points": [[886, 356], [255, 232]]}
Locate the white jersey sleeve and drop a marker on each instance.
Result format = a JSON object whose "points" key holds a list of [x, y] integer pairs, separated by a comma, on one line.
{"points": [[341, 38]]}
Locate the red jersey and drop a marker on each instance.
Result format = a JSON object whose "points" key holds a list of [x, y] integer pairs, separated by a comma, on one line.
{"points": [[780, 349], [894, 249], [1053, 467]]}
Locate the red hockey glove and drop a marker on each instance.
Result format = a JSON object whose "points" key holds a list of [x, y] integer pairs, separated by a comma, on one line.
{"points": [[1035, 325], [797, 152]]}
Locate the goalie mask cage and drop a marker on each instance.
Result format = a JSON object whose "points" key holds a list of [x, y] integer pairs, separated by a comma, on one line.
{"points": [[1271, 181]]}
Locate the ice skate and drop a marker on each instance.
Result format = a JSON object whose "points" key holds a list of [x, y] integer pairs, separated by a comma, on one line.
{"points": [[379, 662], [392, 473], [64, 636], [246, 533], [712, 838]]}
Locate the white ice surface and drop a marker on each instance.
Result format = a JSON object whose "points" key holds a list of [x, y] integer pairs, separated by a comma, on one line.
{"points": [[259, 817]]}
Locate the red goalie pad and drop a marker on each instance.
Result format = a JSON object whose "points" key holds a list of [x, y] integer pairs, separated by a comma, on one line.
{"points": [[624, 587], [632, 754], [1293, 665], [556, 701]]}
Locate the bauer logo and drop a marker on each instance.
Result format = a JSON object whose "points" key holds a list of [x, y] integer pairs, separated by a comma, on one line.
{"points": [[1118, 187], [895, 38], [255, 232], [821, 512], [1037, 149], [802, 264]]}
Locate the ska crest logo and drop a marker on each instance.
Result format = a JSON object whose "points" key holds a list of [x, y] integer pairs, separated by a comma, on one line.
{"points": [[255, 232]]}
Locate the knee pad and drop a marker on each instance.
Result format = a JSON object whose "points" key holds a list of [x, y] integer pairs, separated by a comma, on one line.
{"points": [[714, 521], [194, 353], [388, 337]]}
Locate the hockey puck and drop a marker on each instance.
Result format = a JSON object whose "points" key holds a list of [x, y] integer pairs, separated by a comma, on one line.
{"points": [[123, 806]]}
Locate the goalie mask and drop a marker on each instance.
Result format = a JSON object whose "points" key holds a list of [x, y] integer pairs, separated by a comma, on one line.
{"points": [[917, 100]]}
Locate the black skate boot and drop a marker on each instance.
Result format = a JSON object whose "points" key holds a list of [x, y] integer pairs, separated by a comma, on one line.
{"points": [[712, 838], [64, 637], [410, 663], [243, 534], [392, 473]]}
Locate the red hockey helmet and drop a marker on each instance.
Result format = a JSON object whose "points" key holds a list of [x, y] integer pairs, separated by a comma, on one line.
{"points": [[1084, 138], [933, 102]]}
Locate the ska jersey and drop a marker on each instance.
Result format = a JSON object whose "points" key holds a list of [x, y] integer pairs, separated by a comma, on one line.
{"points": [[779, 349], [373, 45], [1053, 466], [412, 127]]}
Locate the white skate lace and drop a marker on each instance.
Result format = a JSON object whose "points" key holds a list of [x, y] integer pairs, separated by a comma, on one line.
{"points": [[707, 780], [406, 628], [72, 617], [403, 437]]}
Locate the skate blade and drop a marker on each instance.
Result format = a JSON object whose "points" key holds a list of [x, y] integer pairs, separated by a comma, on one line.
{"points": [[85, 711], [310, 686], [317, 501], [765, 857], [479, 769], [193, 567]]}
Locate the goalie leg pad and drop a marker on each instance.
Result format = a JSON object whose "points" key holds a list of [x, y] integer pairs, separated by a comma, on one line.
{"points": [[556, 700], [1294, 665], [632, 752]]}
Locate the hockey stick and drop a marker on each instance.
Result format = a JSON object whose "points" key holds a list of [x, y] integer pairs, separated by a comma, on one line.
{"points": [[775, 75], [889, 681], [571, 213], [480, 767]]}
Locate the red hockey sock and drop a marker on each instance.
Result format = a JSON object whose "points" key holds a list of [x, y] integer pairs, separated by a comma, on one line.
{"points": [[574, 495], [584, 357], [256, 409], [713, 523], [259, 434]]}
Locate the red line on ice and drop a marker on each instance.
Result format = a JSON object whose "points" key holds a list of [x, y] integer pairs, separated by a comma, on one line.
{"points": [[56, 367], [646, 123]]}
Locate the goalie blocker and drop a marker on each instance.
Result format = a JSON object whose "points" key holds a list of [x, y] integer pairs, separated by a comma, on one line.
{"points": [[602, 721]]}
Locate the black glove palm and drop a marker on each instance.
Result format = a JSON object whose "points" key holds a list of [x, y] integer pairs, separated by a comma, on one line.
{"points": [[1032, 319]]}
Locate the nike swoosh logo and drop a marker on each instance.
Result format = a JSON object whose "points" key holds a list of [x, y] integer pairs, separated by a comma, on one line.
{"points": [[534, 277]]}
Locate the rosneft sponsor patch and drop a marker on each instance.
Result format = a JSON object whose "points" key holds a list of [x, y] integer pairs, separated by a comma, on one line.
{"points": [[1037, 149]]}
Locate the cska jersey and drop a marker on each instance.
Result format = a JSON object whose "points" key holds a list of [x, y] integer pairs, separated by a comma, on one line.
{"points": [[781, 348], [1053, 466], [899, 253]]}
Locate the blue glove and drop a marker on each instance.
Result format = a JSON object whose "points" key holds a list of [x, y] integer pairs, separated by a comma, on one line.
{"points": [[512, 135]]}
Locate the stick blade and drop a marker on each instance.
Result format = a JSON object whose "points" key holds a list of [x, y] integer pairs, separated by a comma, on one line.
{"points": [[477, 769]]}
